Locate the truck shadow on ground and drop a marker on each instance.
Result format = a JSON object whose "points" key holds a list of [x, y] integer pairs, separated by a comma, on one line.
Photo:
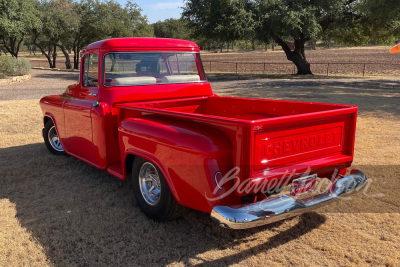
{"points": [[82, 216], [369, 95]]}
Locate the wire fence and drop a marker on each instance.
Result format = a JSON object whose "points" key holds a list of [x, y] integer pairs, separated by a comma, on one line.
{"points": [[321, 68]]}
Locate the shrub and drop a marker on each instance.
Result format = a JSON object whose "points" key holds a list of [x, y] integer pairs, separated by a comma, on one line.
{"points": [[13, 66], [23, 66], [2, 76], [8, 65]]}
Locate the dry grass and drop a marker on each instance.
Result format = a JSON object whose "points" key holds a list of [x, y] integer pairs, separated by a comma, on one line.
{"points": [[61, 211]]}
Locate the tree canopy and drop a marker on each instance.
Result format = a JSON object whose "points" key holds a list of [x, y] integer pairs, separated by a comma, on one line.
{"points": [[102, 20], [298, 21], [53, 25], [221, 20], [380, 20], [172, 28], [291, 23], [17, 18]]}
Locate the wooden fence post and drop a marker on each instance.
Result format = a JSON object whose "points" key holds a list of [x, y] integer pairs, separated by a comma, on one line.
{"points": [[364, 70]]}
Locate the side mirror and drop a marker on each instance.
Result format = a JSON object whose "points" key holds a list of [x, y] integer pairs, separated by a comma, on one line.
{"points": [[82, 53], [395, 49]]}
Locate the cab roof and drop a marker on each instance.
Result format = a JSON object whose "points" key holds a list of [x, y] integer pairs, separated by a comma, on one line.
{"points": [[139, 43]]}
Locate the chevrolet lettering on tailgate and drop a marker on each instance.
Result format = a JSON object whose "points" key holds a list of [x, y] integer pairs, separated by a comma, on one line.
{"points": [[302, 143]]}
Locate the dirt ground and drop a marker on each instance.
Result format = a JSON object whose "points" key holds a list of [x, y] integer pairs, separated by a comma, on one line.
{"points": [[59, 211]]}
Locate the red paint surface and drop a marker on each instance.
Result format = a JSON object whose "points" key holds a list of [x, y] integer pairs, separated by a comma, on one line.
{"points": [[191, 134]]}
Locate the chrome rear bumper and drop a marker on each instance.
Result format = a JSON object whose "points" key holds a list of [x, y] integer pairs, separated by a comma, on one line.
{"points": [[275, 209]]}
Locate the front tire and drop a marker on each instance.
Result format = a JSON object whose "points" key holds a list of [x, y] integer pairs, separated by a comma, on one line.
{"points": [[152, 192], [51, 139]]}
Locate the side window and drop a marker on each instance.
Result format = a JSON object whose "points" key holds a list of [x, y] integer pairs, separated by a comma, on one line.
{"points": [[90, 72]]}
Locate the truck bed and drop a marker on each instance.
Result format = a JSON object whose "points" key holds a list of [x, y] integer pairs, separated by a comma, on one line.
{"points": [[269, 137], [237, 109]]}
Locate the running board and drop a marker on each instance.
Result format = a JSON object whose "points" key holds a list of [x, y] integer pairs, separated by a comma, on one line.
{"points": [[116, 170]]}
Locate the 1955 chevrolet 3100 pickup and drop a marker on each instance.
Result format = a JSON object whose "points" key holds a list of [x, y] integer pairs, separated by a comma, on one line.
{"points": [[144, 110]]}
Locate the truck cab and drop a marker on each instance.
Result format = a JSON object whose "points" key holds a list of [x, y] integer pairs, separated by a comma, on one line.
{"points": [[144, 111]]}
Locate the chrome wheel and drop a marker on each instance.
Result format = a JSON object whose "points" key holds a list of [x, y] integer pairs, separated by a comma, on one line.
{"points": [[149, 182], [54, 140]]}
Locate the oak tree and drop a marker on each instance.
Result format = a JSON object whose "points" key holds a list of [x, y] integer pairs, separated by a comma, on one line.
{"points": [[17, 18]]}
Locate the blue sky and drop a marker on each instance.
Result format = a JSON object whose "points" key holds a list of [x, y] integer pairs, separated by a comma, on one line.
{"points": [[158, 9]]}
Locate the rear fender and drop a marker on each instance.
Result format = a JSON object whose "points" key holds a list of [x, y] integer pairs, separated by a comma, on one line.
{"points": [[52, 107], [187, 153]]}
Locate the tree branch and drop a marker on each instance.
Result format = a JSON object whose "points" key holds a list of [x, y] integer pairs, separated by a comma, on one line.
{"points": [[5, 45], [283, 44]]}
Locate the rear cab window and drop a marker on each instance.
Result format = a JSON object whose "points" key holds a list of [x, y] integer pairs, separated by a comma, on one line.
{"points": [[135, 68]]}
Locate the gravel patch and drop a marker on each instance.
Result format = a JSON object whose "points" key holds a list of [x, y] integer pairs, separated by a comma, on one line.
{"points": [[42, 83]]}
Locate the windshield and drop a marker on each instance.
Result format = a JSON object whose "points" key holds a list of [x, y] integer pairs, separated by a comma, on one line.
{"points": [[128, 69]]}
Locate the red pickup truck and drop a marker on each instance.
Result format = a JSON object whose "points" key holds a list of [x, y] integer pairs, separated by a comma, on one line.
{"points": [[144, 110]]}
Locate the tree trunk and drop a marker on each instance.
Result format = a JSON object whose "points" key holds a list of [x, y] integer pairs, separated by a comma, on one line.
{"points": [[303, 67], [76, 56], [67, 59], [273, 45], [11, 48], [76, 47], [314, 45], [253, 44], [113, 61], [54, 56], [297, 56], [48, 60], [76, 61], [48, 54], [17, 49], [227, 47]]}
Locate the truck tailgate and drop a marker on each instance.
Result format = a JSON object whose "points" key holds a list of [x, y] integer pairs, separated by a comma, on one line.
{"points": [[302, 142], [277, 148]]}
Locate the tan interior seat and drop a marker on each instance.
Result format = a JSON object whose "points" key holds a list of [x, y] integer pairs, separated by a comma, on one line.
{"points": [[135, 81], [180, 78]]}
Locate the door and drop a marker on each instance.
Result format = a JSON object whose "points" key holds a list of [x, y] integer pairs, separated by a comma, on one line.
{"points": [[77, 111]]}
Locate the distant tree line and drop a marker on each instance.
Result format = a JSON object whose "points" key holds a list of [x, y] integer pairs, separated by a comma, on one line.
{"points": [[68, 26]]}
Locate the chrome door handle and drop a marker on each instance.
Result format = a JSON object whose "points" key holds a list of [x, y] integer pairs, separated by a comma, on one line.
{"points": [[96, 104], [92, 94]]}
